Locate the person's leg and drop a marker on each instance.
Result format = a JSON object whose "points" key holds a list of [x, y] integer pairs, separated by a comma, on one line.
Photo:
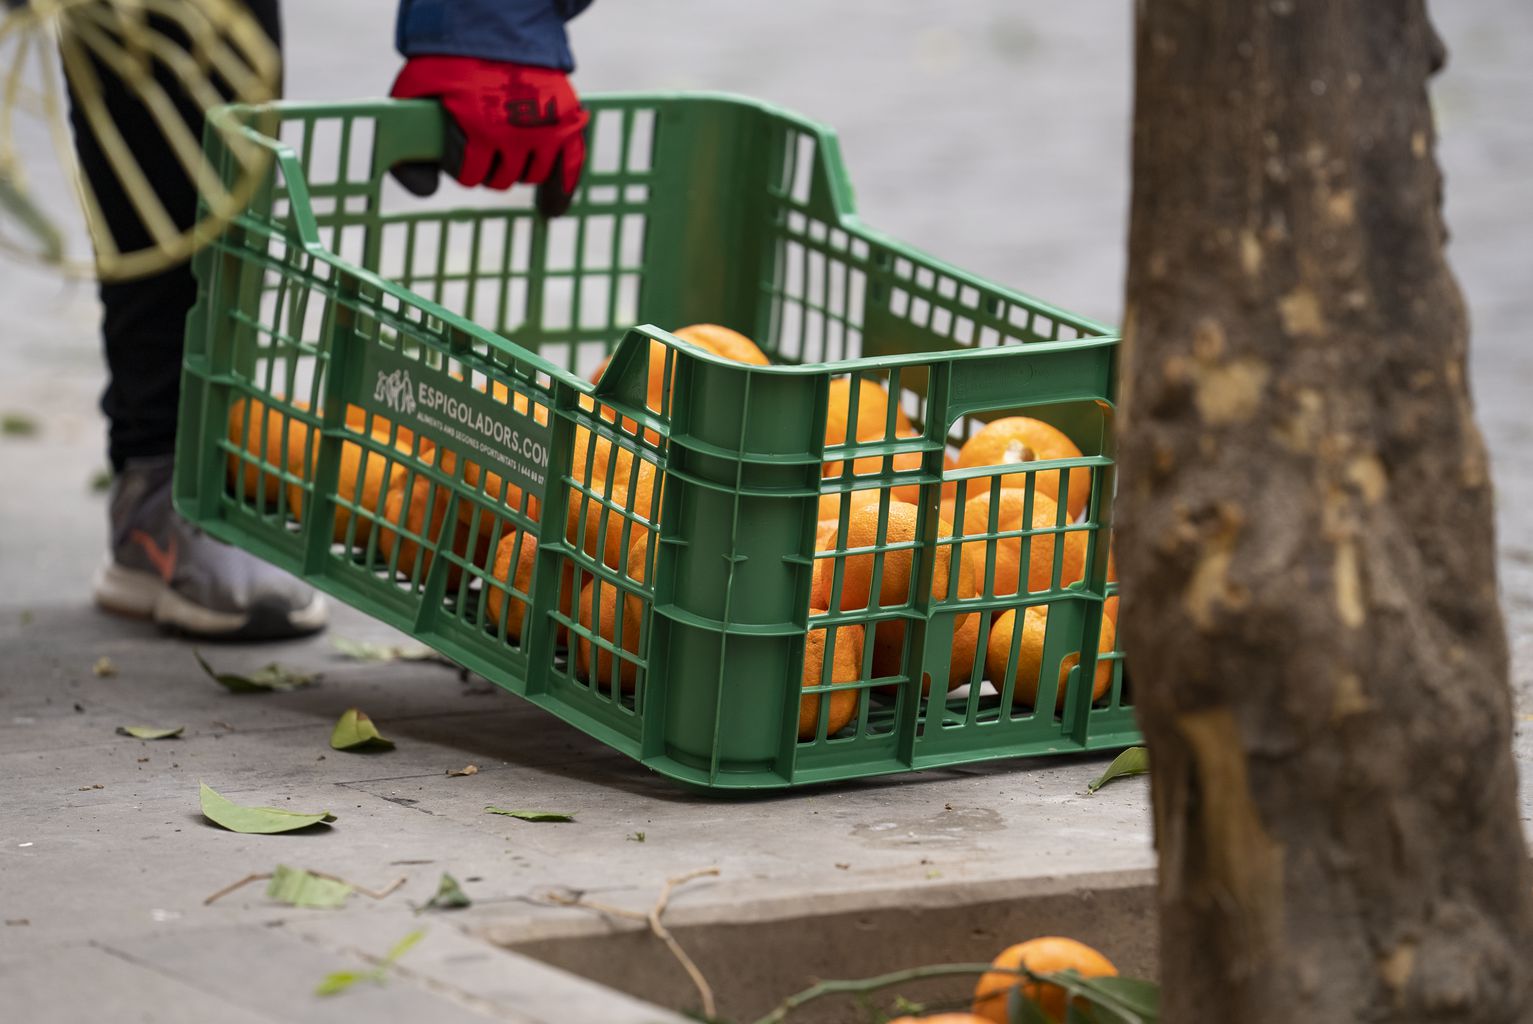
{"points": [[143, 320], [161, 566]]}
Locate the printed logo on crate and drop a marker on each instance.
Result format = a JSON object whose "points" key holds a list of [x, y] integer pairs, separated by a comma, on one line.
{"points": [[394, 391], [456, 415]]}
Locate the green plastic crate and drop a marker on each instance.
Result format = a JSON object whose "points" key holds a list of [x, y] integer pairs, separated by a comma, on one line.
{"points": [[435, 345]]}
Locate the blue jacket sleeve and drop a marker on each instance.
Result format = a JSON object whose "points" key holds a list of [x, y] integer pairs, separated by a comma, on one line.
{"points": [[519, 31]]}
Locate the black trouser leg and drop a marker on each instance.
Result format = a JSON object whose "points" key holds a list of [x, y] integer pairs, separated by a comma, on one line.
{"points": [[144, 320]]}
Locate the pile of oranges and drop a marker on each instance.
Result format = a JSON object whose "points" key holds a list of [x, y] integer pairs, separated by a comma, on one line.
{"points": [[999, 562], [1047, 955], [614, 505]]}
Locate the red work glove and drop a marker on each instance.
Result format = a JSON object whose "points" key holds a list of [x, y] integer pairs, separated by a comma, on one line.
{"points": [[507, 123]]}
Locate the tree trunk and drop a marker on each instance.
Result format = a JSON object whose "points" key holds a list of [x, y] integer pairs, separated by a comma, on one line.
{"points": [[1306, 533]]}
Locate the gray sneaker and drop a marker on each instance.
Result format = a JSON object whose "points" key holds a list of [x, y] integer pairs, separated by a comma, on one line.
{"points": [[164, 568]]}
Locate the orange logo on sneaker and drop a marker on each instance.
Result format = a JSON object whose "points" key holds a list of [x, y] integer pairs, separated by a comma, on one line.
{"points": [[163, 559]]}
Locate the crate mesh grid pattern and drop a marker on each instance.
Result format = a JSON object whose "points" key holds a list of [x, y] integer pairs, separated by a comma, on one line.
{"points": [[667, 619]]}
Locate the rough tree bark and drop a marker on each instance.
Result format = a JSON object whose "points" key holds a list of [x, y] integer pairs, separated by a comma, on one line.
{"points": [[1306, 533]]}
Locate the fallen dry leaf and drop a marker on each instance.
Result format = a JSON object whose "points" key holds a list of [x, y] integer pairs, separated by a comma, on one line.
{"points": [[266, 679], [254, 820], [104, 667], [150, 732], [340, 981], [355, 731], [468, 769], [449, 896], [299, 888], [540, 816]]}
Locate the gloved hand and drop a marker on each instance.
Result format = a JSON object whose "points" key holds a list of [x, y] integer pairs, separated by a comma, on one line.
{"points": [[506, 123]]}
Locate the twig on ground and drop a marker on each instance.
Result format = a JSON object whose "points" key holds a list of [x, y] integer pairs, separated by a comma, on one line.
{"points": [[395, 884], [226, 890], [266, 877], [862, 986], [657, 926]]}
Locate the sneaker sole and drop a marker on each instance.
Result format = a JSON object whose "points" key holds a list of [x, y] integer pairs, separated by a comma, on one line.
{"points": [[143, 595]]}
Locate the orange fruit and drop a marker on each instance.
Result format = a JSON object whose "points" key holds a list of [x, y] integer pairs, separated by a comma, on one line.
{"points": [[1028, 670], [602, 609], [845, 667], [629, 495], [1015, 440], [1110, 606], [871, 465], [895, 586], [830, 504], [526, 555], [820, 578], [721, 341], [272, 436], [363, 478], [408, 507], [357, 419], [526, 564], [965, 651], [1008, 550], [872, 413], [1046, 955]]}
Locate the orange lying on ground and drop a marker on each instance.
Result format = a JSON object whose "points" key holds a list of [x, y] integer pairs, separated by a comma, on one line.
{"points": [[1047, 955]]}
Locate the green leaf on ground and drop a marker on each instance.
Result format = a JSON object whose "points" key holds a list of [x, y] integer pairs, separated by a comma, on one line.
{"points": [[530, 815], [17, 424], [254, 820], [635, 837], [362, 650], [1133, 761], [355, 731], [404, 946], [299, 888], [149, 732], [449, 895], [340, 981], [266, 679], [101, 480]]}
